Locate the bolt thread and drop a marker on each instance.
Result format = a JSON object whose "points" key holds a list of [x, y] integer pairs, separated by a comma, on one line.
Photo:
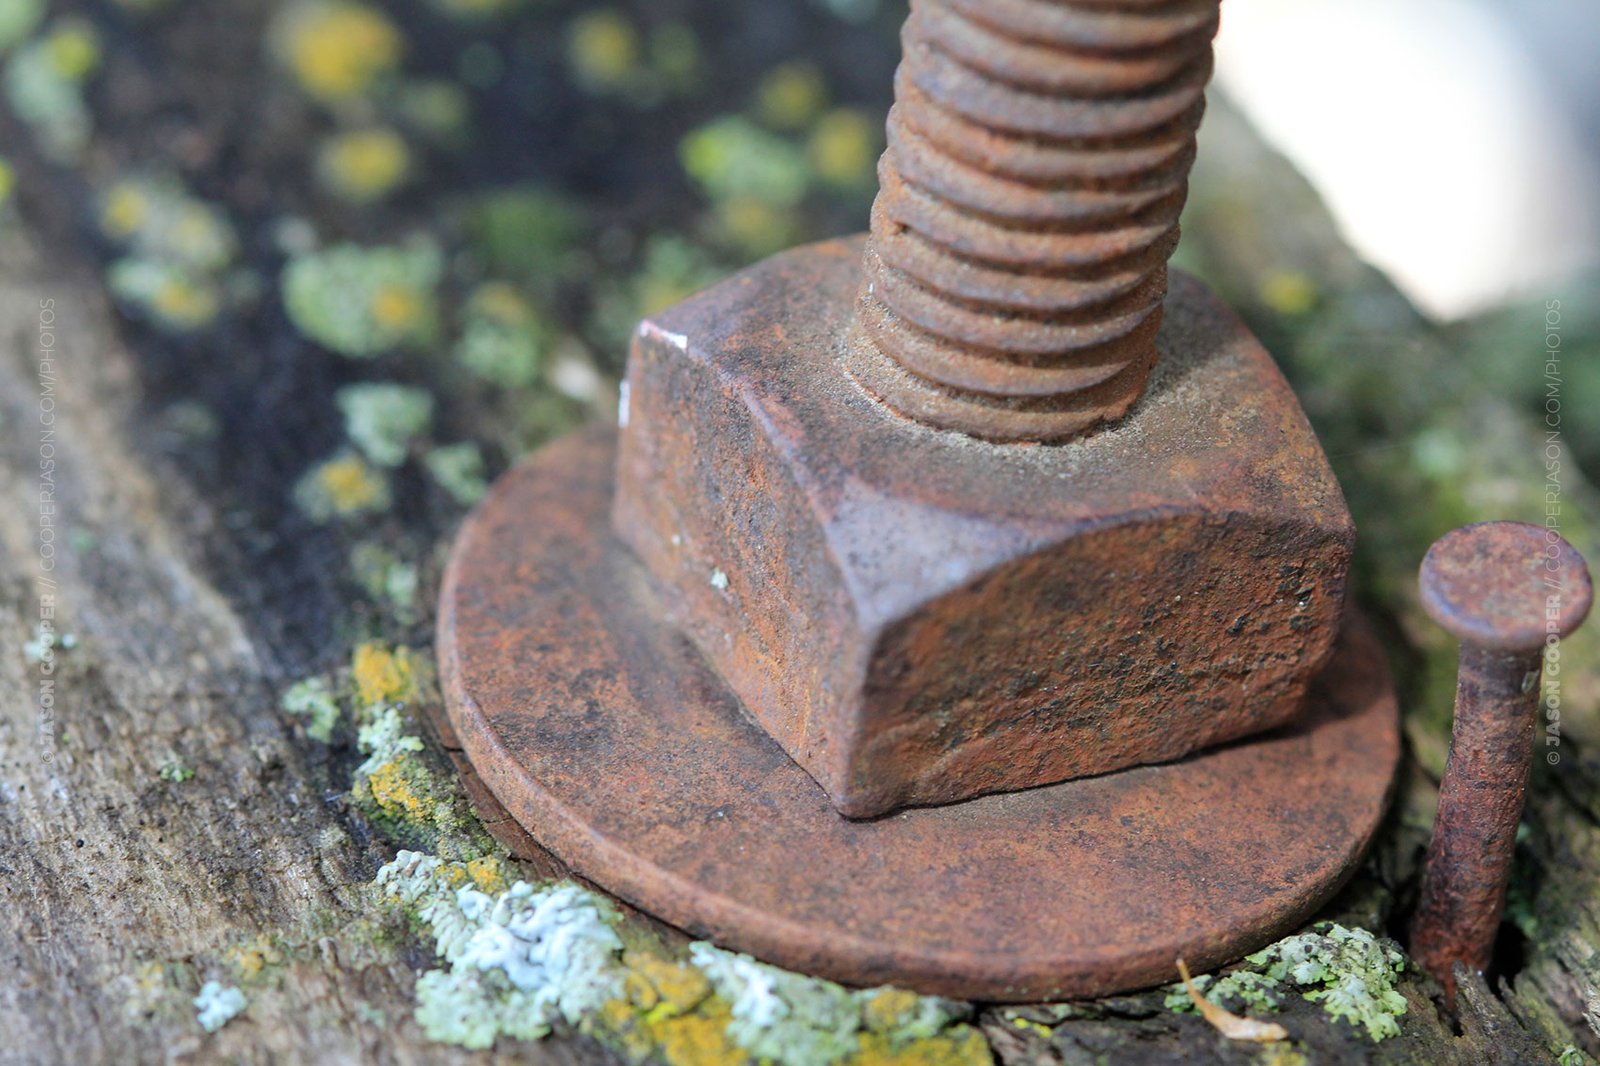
{"points": [[1038, 159]]}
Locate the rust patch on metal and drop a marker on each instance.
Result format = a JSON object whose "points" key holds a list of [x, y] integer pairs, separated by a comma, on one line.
{"points": [[1038, 159], [921, 617], [1503, 589], [600, 727]]}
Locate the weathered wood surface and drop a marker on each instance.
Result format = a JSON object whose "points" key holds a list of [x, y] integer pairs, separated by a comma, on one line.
{"points": [[197, 592]]}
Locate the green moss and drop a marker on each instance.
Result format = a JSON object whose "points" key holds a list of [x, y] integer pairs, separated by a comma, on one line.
{"points": [[1350, 972], [361, 302]]}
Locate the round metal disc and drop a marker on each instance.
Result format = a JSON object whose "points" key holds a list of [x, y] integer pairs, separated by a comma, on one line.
{"points": [[603, 732]]}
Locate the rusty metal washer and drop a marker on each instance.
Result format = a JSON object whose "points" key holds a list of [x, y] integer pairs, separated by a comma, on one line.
{"points": [[602, 730]]}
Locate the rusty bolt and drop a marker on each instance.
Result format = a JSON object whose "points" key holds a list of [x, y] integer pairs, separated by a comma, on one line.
{"points": [[1038, 159], [1506, 590]]}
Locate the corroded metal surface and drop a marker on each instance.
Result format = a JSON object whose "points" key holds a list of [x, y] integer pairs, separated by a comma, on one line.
{"points": [[920, 617], [602, 729], [1504, 589], [1038, 159]]}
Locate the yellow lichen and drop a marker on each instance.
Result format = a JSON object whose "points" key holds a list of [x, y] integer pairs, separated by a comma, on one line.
{"points": [[365, 165], [126, 209], [343, 487], [1289, 292], [843, 148], [383, 676], [73, 52], [791, 96], [392, 791], [183, 303], [398, 308], [888, 1008], [603, 49], [963, 1046], [248, 960], [488, 875], [339, 51]]}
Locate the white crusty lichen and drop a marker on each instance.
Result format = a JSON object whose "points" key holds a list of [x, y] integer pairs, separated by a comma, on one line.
{"points": [[805, 1021], [385, 740], [217, 1005], [519, 960], [516, 961], [1350, 972]]}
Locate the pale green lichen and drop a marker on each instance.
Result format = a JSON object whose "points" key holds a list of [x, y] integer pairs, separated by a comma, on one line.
{"points": [[18, 19], [217, 1005], [805, 1021], [44, 82], [312, 699], [502, 339], [518, 959], [732, 158], [158, 219], [383, 418], [1350, 972], [175, 771], [168, 295], [459, 470], [387, 578], [362, 302]]}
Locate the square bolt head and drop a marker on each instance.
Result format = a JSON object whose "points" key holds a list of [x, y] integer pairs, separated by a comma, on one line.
{"points": [[920, 617]]}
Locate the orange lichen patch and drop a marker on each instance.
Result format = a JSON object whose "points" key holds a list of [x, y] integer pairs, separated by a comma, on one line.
{"points": [[488, 875], [250, 959]]}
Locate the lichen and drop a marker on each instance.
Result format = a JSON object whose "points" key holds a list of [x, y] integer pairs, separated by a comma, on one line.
{"points": [[168, 295], [517, 959], [362, 302], [383, 418], [1350, 972], [342, 487], [18, 19], [158, 219], [175, 771], [459, 470], [791, 95], [217, 1005], [843, 148], [386, 578], [385, 675], [312, 698], [603, 51], [44, 81], [338, 51], [502, 339], [363, 166]]}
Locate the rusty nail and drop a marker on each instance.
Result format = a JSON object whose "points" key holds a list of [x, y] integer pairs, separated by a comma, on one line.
{"points": [[1506, 590]]}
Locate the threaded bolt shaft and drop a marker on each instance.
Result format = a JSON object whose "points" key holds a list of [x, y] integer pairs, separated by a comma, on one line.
{"points": [[1038, 158]]}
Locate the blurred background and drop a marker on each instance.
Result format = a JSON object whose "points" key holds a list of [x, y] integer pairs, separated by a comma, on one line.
{"points": [[367, 252]]}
